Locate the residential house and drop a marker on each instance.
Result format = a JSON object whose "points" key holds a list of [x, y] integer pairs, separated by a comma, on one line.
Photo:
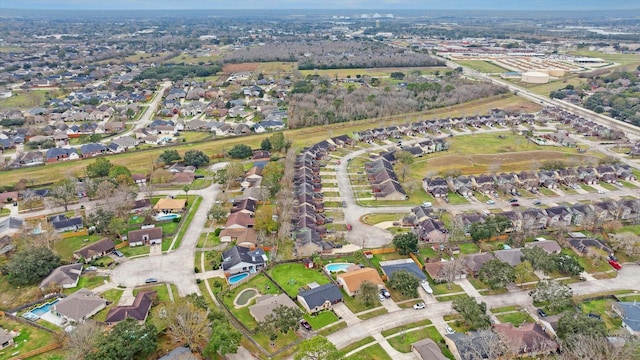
{"points": [[126, 142], [469, 219], [319, 298], [515, 220], [483, 183], [548, 179], [139, 179], [246, 237], [180, 353], [534, 218], [92, 149], [241, 259], [582, 246], [30, 158], [431, 230], [79, 306], [138, 311], [265, 305], [390, 266], [94, 251], [629, 312], [461, 185], [247, 205], [145, 236], [579, 213], [66, 276], [529, 339], [607, 210], [607, 173], [474, 262], [472, 345], [168, 205], [528, 181], [587, 175], [568, 176], [61, 223], [352, 280], [510, 256], [549, 246], [559, 216], [61, 154], [6, 338], [507, 182], [240, 219], [309, 242], [427, 349], [140, 205], [437, 187], [436, 271]]}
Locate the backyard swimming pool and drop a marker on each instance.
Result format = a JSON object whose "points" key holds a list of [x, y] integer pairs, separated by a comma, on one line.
{"points": [[162, 217], [338, 267], [39, 311], [237, 278]]}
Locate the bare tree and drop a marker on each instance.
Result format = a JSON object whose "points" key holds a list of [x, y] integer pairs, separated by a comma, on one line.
{"points": [[188, 324], [627, 242], [83, 339], [483, 344], [452, 270], [586, 347], [64, 192]]}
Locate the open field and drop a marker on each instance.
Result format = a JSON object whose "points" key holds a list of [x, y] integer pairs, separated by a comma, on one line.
{"points": [[545, 89], [373, 352], [276, 67], [482, 66], [229, 68], [30, 338], [293, 276], [623, 59], [190, 59], [25, 99], [373, 72], [139, 161]]}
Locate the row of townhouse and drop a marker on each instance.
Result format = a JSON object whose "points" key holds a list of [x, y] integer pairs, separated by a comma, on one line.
{"points": [[581, 125], [384, 182], [527, 180]]}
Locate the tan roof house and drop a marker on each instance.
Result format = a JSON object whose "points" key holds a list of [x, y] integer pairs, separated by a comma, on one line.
{"points": [[148, 236], [79, 306], [352, 280], [527, 339], [266, 304], [96, 250], [243, 237], [170, 205], [426, 349]]}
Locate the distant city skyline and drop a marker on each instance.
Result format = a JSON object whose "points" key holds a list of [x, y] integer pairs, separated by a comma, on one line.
{"points": [[540, 5]]}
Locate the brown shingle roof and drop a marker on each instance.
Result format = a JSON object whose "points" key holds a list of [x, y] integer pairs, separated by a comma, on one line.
{"points": [[99, 247], [138, 310]]}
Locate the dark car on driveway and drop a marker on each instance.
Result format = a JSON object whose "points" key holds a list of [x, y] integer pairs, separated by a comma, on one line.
{"points": [[542, 313], [305, 324]]}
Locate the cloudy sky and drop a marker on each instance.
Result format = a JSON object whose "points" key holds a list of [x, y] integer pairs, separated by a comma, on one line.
{"points": [[323, 4]]}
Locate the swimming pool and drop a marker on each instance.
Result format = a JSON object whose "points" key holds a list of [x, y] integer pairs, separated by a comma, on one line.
{"points": [[338, 267], [237, 278], [161, 217], [39, 311]]}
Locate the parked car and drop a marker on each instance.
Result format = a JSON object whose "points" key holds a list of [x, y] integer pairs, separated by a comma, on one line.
{"points": [[385, 293], [419, 306], [613, 257], [338, 162], [305, 324], [349, 227], [118, 253], [91, 268], [344, 204], [449, 330], [515, 204], [542, 313], [491, 202], [381, 297], [537, 202], [151, 280], [427, 288], [601, 191], [616, 265], [512, 200]]}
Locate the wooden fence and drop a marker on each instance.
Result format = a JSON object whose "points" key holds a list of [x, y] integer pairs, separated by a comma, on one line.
{"points": [[39, 351], [83, 232]]}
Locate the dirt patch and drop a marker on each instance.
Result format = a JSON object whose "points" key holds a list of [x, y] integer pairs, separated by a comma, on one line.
{"points": [[229, 68], [504, 162]]}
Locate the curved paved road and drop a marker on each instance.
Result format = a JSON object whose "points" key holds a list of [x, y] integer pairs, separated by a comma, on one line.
{"points": [[626, 280]]}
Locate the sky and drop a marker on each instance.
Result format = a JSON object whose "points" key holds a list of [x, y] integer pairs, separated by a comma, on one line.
{"points": [[321, 4]]}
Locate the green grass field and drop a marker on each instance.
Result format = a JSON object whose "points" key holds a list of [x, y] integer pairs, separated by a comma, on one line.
{"points": [[373, 352], [66, 247], [30, 338], [482, 66], [516, 318], [293, 276], [25, 99]]}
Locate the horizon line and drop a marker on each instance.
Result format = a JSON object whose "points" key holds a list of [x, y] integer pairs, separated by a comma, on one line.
{"points": [[313, 9]]}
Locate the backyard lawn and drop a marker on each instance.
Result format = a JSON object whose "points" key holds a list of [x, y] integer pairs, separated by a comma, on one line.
{"points": [[403, 342], [602, 307], [112, 295], [88, 281], [291, 277], [30, 338], [259, 282], [66, 247]]}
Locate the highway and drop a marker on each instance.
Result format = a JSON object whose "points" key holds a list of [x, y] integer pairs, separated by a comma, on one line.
{"points": [[632, 131]]}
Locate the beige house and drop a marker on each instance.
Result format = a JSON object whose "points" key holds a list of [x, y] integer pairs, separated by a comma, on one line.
{"points": [[266, 304], [352, 280], [79, 306], [170, 205]]}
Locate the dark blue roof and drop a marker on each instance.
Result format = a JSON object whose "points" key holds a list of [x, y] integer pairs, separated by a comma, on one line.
{"points": [[410, 267], [317, 296]]}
